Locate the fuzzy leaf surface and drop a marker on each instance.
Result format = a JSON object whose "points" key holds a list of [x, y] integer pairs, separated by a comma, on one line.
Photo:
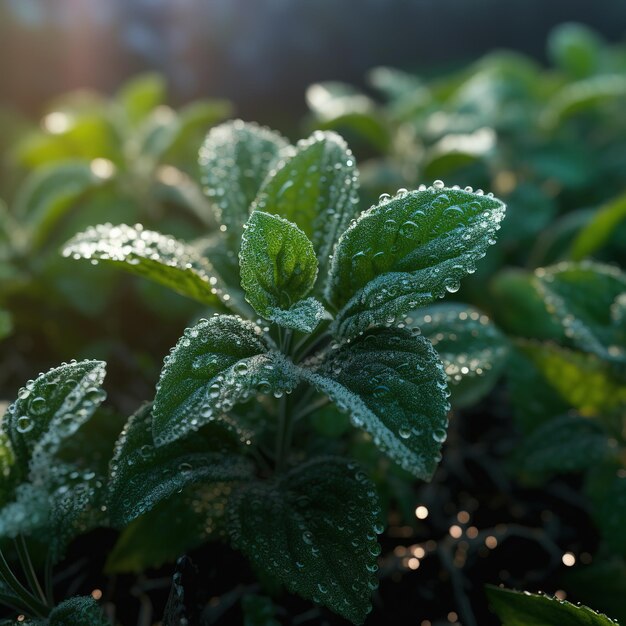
{"points": [[143, 475], [313, 529], [278, 269], [216, 364], [315, 186], [149, 254], [235, 159], [392, 384], [406, 252]]}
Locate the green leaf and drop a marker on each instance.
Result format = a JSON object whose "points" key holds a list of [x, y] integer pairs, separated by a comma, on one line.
{"points": [[563, 444], [235, 159], [171, 528], [575, 48], [152, 255], [142, 475], [597, 232], [216, 364], [406, 252], [314, 530], [393, 385], [141, 95], [51, 192], [474, 352], [278, 269], [78, 611], [315, 186], [49, 410], [583, 380], [580, 297], [517, 608]]}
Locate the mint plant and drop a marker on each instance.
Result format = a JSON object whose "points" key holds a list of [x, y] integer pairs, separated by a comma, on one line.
{"points": [[313, 304]]}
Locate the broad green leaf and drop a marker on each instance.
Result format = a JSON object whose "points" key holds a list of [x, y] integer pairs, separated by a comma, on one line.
{"points": [[49, 410], [216, 364], [174, 526], [520, 309], [78, 611], [315, 186], [583, 380], [474, 352], [6, 324], [141, 95], [584, 95], [235, 159], [27, 512], [580, 297], [258, 611], [599, 229], [575, 48], [278, 269], [563, 444], [517, 608], [313, 529], [406, 252], [143, 475], [393, 385], [152, 255], [51, 192]]}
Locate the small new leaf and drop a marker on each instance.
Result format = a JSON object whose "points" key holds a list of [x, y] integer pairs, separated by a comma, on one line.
{"points": [[152, 255], [517, 608], [235, 159], [313, 529], [143, 475], [78, 611], [315, 186], [408, 251], [216, 364], [278, 269], [393, 385]]}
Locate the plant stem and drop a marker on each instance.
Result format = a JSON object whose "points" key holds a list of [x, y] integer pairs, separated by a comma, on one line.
{"points": [[48, 580], [35, 606], [29, 570], [313, 406], [281, 435]]}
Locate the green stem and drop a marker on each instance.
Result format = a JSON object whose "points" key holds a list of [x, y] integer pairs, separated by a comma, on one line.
{"points": [[312, 407], [281, 435], [48, 580], [29, 570], [35, 606]]}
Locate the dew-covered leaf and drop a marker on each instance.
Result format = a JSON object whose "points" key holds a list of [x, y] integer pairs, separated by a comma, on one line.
{"points": [[563, 444], [51, 192], [406, 252], [235, 159], [182, 522], [216, 364], [143, 475], [583, 380], [580, 297], [49, 410], [313, 529], [152, 255], [474, 352], [78, 611], [315, 186], [393, 385], [517, 608], [278, 269]]}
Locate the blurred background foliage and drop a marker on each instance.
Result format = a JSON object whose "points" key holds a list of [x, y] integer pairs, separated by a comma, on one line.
{"points": [[103, 106]]}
